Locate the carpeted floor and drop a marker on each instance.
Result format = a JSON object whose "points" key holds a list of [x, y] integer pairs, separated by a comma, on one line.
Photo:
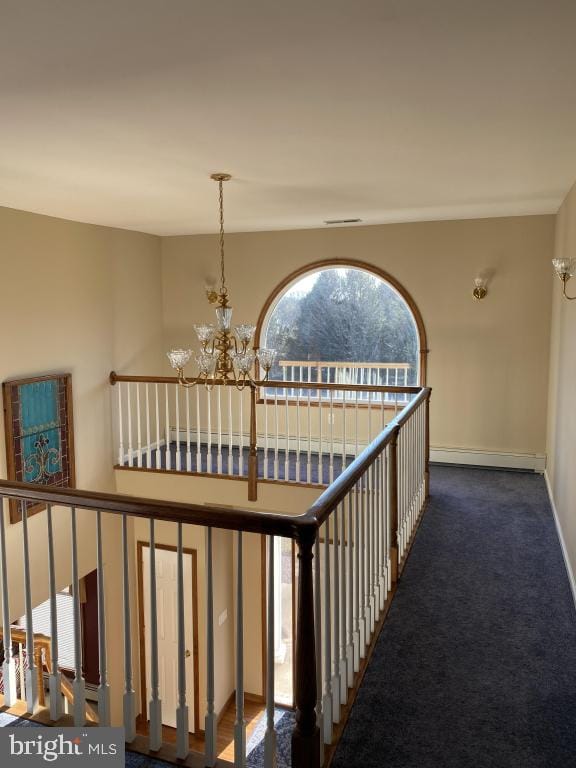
{"points": [[476, 664], [293, 469]]}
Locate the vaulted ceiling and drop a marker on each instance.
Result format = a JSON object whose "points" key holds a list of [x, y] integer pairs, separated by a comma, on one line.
{"points": [[116, 111]]}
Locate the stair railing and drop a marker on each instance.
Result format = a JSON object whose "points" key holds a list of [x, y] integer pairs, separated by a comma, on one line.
{"points": [[352, 544]]}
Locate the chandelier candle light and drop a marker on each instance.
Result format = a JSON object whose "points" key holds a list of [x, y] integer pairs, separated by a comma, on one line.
{"points": [[225, 354]]}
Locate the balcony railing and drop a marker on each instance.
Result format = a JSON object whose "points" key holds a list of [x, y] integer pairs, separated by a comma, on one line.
{"points": [[304, 432], [358, 374], [351, 546]]}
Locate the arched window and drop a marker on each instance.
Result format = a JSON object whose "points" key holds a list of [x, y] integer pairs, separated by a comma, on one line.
{"points": [[353, 317]]}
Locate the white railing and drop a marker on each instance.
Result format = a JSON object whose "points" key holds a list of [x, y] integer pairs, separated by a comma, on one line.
{"points": [[260, 433], [358, 374]]}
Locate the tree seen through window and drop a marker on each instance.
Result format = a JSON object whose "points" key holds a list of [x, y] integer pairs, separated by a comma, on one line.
{"points": [[343, 315]]}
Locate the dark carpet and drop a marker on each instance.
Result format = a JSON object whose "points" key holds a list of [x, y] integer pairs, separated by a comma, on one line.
{"points": [[293, 469], [476, 664]]}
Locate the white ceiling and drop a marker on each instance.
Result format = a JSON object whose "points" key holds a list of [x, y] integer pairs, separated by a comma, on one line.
{"points": [[116, 111]]}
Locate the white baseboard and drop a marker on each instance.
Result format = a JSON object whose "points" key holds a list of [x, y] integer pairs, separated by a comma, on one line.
{"points": [[567, 562], [534, 462]]}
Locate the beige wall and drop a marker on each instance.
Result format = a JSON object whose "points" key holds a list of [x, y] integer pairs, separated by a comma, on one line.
{"points": [[488, 360], [81, 299], [562, 413]]}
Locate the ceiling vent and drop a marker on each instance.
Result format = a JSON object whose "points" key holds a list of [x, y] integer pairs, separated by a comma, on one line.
{"points": [[342, 221]]}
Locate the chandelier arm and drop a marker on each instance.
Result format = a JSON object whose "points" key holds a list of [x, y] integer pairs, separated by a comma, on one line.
{"points": [[187, 383], [570, 298]]}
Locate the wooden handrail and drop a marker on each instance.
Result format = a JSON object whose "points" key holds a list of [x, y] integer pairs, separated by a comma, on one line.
{"points": [[270, 523], [274, 384], [334, 364]]}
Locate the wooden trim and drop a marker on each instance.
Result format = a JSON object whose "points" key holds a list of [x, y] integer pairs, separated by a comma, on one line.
{"points": [[255, 698], [352, 264], [142, 642], [14, 511], [181, 472]]}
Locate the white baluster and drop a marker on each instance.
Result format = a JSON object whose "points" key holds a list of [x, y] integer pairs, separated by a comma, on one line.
{"points": [[230, 435], [327, 701], [209, 418], [336, 623], [211, 719], [138, 426], [369, 417], [120, 427], [318, 637], [343, 671], [350, 593], [309, 455], [129, 702], [177, 414], [369, 556], [155, 704], [356, 451], [344, 454], [287, 436], [266, 438], [376, 540], [240, 723], [362, 573], [130, 451], [356, 638], [22, 672], [270, 735], [219, 416], [79, 685], [182, 727], [158, 462], [298, 433], [31, 679], [276, 427], [148, 443], [103, 688], [331, 421], [167, 428], [198, 433], [188, 438], [8, 667], [320, 441], [241, 457]]}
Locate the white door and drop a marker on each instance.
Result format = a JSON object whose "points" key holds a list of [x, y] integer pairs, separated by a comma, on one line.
{"points": [[166, 596]]}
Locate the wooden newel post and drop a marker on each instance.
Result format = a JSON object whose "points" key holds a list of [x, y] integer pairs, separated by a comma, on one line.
{"points": [[253, 455], [393, 480], [306, 734], [427, 449]]}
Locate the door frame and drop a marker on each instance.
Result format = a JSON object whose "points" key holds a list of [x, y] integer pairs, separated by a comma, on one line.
{"points": [[140, 560]]}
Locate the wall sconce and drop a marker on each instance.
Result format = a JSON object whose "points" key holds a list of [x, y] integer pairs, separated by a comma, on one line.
{"points": [[565, 269], [480, 289]]}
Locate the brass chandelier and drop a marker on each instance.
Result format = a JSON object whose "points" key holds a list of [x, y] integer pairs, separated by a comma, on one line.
{"points": [[224, 354]]}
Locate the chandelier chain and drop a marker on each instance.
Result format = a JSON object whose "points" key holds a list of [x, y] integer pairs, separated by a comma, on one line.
{"points": [[222, 275]]}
